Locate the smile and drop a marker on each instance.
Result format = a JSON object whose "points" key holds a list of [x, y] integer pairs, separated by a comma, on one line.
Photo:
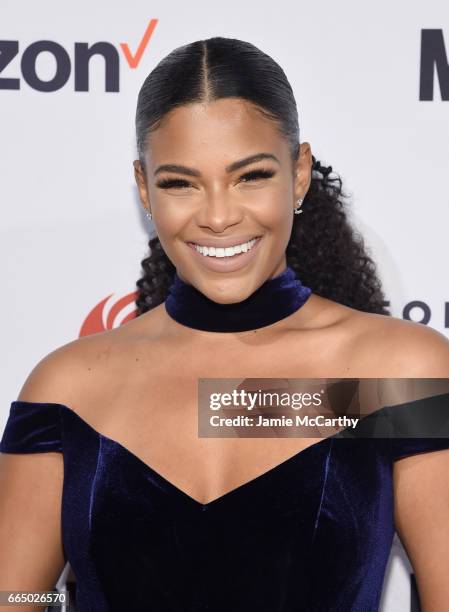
{"points": [[225, 251], [227, 258]]}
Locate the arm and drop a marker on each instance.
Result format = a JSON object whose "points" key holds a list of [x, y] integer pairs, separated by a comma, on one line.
{"points": [[31, 551], [31, 556], [422, 523], [421, 484]]}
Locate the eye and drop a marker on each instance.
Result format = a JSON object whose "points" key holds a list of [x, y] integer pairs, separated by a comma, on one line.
{"points": [[257, 174], [172, 183], [253, 175]]}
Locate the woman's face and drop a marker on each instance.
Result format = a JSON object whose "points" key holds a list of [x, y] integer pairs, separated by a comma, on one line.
{"points": [[203, 191]]}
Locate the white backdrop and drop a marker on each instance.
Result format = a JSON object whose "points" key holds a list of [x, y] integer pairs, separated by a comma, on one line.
{"points": [[72, 229]]}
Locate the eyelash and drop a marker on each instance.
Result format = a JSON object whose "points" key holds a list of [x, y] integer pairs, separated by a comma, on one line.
{"points": [[174, 183]]}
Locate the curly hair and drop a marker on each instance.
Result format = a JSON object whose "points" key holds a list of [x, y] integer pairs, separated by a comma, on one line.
{"points": [[325, 251]]}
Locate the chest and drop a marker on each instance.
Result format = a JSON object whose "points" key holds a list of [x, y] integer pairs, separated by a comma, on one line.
{"points": [[153, 408]]}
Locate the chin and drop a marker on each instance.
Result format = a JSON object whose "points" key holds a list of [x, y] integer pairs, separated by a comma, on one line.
{"points": [[226, 292]]}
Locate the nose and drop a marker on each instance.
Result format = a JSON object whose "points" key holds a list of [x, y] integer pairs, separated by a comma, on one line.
{"points": [[219, 211]]}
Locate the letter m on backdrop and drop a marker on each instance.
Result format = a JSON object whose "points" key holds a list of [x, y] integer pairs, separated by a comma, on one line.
{"points": [[433, 55]]}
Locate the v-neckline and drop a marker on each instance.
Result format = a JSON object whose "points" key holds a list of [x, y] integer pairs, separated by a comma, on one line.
{"points": [[239, 489], [271, 472], [249, 484]]}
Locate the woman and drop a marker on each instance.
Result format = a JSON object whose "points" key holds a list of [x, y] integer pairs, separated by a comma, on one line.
{"points": [[237, 285]]}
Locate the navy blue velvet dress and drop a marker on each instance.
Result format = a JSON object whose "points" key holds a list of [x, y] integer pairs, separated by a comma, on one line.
{"points": [[312, 534]]}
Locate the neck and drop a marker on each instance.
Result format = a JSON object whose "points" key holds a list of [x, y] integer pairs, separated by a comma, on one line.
{"points": [[276, 299]]}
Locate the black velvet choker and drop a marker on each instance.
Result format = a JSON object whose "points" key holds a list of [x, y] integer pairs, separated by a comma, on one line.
{"points": [[274, 300]]}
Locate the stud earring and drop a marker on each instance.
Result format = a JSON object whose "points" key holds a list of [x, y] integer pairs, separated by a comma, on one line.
{"points": [[148, 214], [298, 208]]}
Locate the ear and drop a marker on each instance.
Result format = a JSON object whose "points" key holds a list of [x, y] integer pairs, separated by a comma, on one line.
{"points": [[303, 170], [141, 182]]}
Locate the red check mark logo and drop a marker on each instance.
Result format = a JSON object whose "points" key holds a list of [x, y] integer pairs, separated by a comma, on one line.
{"points": [[133, 60]]}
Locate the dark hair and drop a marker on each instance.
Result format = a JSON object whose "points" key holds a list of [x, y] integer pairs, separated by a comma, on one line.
{"points": [[326, 253]]}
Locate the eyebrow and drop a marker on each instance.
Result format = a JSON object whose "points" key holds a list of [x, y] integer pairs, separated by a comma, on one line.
{"points": [[231, 168]]}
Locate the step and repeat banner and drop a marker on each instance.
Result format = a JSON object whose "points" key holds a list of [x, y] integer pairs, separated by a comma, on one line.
{"points": [[372, 88]]}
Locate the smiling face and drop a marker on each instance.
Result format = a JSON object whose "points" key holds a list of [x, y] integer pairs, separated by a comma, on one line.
{"points": [[220, 175]]}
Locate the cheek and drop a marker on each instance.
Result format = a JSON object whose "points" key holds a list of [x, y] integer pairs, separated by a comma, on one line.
{"points": [[273, 210], [171, 217], [167, 225]]}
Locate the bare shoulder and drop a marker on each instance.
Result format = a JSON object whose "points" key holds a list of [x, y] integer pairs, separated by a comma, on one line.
{"points": [[402, 348], [377, 345], [84, 365], [55, 377]]}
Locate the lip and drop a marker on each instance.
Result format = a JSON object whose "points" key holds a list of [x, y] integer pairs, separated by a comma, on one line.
{"points": [[226, 264], [224, 242]]}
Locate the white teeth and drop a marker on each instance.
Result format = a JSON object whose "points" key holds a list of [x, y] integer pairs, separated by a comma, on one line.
{"points": [[225, 252]]}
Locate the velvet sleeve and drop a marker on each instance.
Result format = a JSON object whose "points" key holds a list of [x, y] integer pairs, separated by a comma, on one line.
{"points": [[420, 426], [32, 427]]}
